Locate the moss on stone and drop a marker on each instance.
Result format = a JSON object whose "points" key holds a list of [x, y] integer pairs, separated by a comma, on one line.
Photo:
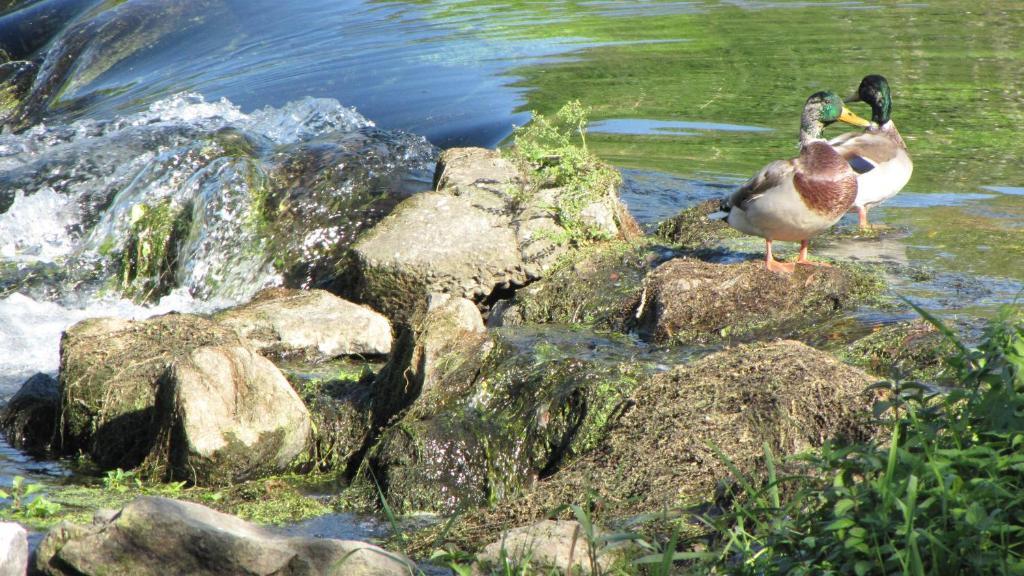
{"points": [[689, 301], [272, 500], [490, 428], [691, 229], [109, 375], [150, 252], [590, 286], [660, 461], [903, 351]]}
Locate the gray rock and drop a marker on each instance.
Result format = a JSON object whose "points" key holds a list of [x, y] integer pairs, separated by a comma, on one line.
{"points": [[28, 419], [558, 544], [475, 234], [158, 536], [109, 374], [13, 549], [441, 339], [228, 415], [313, 323]]}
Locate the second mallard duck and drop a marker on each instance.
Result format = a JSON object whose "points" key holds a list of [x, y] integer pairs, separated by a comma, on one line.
{"points": [[793, 200], [878, 154]]}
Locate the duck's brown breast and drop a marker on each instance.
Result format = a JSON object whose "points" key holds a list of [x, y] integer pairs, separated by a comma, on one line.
{"points": [[825, 181]]}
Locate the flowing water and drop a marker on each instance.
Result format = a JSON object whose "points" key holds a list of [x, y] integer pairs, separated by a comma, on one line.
{"points": [[136, 106]]}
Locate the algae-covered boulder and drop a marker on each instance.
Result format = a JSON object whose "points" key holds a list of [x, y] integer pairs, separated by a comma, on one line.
{"points": [[693, 229], [690, 301], [906, 350], [227, 415], [158, 536], [313, 324], [342, 415], [497, 417], [109, 374], [477, 233], [592, 286], [662, 456], [29, 418]]}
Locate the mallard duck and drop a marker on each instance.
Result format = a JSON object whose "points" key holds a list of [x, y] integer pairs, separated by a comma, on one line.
{"points": [[792, 200], [878, 154]]}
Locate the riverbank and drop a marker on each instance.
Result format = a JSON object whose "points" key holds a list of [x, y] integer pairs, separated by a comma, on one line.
{"points": [[487, 427]]}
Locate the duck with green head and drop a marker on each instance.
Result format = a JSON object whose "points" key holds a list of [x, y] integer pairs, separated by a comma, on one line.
{"points": [[878, 154], [793, 200]]}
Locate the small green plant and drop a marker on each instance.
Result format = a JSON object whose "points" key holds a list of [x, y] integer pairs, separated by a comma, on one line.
{"points": [[942, 492], [121, 481], [554, 150], [19, 492], [38, 507]]}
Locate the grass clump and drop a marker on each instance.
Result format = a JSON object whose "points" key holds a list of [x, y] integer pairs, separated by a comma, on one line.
{"points": [[942, 492], [553, 151]]}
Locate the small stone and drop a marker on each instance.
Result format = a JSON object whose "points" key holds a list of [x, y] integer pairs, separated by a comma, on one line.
{"points": [[13, 549], [559, 544]]}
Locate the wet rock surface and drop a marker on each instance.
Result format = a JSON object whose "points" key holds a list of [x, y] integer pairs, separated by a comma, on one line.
{"points": [[501, 413], [158, 536], [312, 324], [594, 287], [29, 418]]}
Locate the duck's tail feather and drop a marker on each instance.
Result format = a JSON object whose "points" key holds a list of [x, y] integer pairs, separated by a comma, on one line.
{"points": [[724, 206]]}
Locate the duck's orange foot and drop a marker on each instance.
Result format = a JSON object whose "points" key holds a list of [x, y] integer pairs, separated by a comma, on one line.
{"points": [[780, 267]]}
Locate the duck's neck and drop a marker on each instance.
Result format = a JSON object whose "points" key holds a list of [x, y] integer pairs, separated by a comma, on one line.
{"points": [[810, 129], [881, 109]]}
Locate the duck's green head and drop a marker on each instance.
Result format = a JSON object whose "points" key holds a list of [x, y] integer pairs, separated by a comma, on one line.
{"points": [[874, 91], [822, 109]]}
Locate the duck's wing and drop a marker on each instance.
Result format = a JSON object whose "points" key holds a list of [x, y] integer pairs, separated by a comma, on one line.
{"points": [[867, 150], [771, 176]]}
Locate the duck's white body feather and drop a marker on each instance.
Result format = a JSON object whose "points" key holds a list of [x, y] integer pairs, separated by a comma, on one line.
{"points": [[880, 157]]}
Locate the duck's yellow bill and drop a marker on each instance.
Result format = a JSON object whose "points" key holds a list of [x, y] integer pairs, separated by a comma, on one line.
{"points": [[851, 118]]}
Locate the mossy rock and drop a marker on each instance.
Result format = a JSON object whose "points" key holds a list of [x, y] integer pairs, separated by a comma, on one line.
{"points": [[591, 286], [692, 229], [690, 301], [109, 375], [511, 412], [484, 231], [903, 351], [663, 457], [342, 422]]}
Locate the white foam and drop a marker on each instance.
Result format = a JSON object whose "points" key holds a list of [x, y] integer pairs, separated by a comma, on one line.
{"points": [[35, 227]]}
